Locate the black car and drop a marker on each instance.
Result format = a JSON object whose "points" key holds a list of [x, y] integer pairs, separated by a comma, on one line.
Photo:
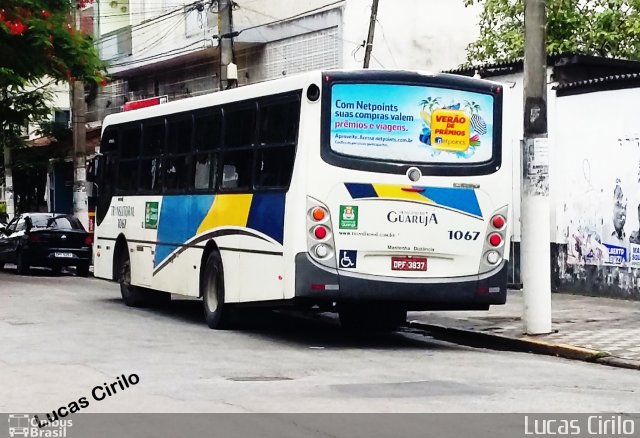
{"points": [[46, 239]]}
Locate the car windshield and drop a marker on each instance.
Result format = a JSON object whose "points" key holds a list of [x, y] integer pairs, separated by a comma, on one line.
{"points": [[57, 222]]}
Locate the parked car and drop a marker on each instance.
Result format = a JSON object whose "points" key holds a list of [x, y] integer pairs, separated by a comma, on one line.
{"points": [[46, 239]]}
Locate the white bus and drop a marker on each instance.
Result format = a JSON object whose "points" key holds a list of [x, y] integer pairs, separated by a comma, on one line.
{"points": [[368, 193]]}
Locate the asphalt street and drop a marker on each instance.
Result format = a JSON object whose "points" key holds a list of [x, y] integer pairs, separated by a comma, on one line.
{"points": [[64, 335]]}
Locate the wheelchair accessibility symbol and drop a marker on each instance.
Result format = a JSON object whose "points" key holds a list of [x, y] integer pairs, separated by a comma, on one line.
{"points": [[348, 258]]}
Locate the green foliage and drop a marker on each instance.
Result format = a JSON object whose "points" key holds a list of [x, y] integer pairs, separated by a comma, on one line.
{"points": [[45, 43], [608, 28], [38, 43]]}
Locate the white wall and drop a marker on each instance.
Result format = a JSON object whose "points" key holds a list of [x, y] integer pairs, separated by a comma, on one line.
{"points": [[598, 143], [513, 134], [414, 34], [60, 101], [113, 18]]}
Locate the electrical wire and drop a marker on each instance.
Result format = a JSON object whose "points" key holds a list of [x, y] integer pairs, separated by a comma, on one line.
{"points": [[384, 38], [181, 50], [280, 20], [152, 21], [177, 51], [160, 38], [114, 43]]}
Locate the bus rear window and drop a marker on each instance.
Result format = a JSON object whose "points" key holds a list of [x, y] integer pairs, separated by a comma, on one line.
{"points": [[411, 123]]}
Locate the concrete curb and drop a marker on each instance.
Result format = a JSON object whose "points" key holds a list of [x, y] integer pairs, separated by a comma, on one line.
{"points": [[525, 344]]}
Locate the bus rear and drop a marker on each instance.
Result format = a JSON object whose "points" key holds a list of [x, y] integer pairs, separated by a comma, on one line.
{"points": [[408, 196]]}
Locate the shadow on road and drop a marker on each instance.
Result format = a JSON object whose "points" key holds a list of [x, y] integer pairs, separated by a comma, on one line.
{"points": [[308, 329], [38, 272]]}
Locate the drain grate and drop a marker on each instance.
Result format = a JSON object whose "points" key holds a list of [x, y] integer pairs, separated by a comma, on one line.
{"points": [[258, 379]]}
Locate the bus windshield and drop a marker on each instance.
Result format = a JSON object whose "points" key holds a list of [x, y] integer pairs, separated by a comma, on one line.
{"points": [[411, 123]]}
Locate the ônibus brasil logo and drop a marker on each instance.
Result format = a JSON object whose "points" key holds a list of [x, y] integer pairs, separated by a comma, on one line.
{"points": [[24, 425]]}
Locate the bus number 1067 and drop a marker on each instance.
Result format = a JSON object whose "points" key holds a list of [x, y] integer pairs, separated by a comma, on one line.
{"points": [[462, 235]]}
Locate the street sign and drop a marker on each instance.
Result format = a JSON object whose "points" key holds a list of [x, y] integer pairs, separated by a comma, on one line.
{"points": [[144, 103]]}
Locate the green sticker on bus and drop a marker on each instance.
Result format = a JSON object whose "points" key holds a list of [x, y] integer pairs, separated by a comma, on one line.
{"points": [[151, 215], [348, 217]]}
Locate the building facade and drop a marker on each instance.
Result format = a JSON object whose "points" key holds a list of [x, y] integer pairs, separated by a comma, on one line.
{"points": [[170, 47]]}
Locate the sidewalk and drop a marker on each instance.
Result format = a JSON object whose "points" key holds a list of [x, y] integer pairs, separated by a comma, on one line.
{"points": [[608, 326]]}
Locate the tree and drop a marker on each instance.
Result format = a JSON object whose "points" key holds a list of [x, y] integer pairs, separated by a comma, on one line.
{"points": [[37, 39], [38, 45], [608, 28], [38, 42]]}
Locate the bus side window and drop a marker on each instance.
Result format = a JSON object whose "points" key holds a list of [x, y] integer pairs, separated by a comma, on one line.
{"points": [[275, 166], [152, 150], [207, 130], [128, 164], [177, 164], [237, 165], [279, 123], [237, 154], [205, 171], [278, 134], [239, 127]]}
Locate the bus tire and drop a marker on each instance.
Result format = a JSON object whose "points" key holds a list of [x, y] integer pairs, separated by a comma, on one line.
{"points": [[371, 318], [215, 310], [132, 295]]}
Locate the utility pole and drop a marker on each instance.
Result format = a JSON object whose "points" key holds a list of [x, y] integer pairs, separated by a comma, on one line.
{"points": [[9, 194], [535, 213], [78, 117], [372, 29], [228, 70]]}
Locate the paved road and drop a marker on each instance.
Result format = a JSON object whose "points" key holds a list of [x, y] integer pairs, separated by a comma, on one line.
{"points": [[62, 336]]}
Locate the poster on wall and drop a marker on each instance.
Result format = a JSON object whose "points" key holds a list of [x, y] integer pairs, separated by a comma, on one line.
{"points": [[411, 123], [603, 211]]}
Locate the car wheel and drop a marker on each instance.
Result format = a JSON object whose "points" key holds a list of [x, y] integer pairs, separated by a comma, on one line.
{"points": [[215, 310], [132, 295], [22, 264], [82, 270]]}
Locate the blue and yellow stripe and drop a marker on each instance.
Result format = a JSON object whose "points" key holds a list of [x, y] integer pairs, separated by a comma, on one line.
{"points": [[185, 216], [464, 200]]}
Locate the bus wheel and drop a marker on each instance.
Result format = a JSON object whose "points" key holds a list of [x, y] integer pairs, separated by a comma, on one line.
{"points": [[371, 318], [132, 295], [215, 311]]}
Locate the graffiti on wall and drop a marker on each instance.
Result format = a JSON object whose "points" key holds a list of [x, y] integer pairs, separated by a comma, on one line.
{"points": [[602, 210], [600, 220]]}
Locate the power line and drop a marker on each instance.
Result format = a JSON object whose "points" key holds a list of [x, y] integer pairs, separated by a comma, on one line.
{"points": [[384, 38], [280, 20], [113, 43], [155, 20], [179, 51], [235, 33]]}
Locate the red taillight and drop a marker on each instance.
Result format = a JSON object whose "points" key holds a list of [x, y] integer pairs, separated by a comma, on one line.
{"points": [[498, 221], [495, 239], [320, 232], [35, 238], [88, 240]]}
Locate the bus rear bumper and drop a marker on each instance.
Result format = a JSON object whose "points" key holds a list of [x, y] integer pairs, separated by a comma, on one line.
{"points": [[322, 285]]}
